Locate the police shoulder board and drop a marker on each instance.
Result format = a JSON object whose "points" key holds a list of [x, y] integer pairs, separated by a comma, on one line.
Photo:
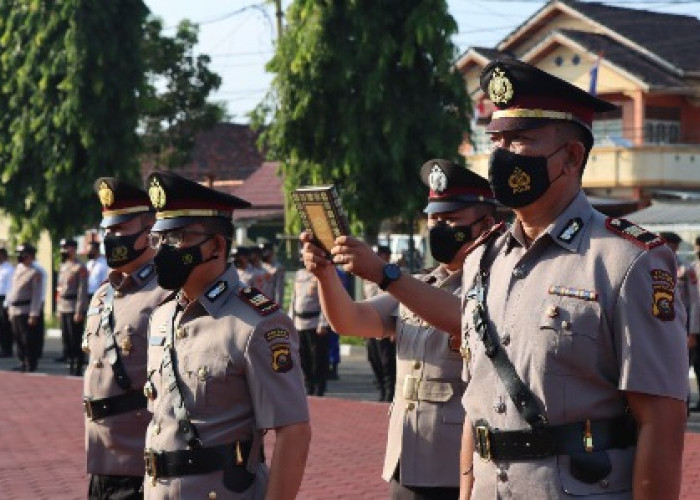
{"points": [[257, 300], [634, 233]]}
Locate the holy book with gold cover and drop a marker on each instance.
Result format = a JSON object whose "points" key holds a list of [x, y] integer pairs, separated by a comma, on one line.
{"points": [[321, 213]]}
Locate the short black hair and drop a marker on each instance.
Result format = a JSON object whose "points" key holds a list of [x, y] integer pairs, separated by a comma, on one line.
{"points": [[578, 133], [222, 226], [671, 237]]}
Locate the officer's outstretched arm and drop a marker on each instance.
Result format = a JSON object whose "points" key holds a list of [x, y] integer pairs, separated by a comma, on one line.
{"points": [[345, 316], [288, 461], [438, 307]]}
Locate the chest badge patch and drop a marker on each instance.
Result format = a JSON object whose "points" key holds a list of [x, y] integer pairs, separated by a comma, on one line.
{"points": [[572, 228], [663, 289], [576, 293]]}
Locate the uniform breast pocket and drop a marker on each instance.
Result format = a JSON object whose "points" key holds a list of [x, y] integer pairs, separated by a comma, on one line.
{"points": [[204, 380], [570, 330]]}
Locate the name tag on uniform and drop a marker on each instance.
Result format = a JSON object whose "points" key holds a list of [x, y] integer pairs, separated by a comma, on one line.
{"points": [[153, 340]]}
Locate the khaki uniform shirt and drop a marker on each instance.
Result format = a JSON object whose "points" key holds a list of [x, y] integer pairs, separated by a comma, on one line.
{"points": [[425, 429], [276, 271], [305, 301], [72, 288], [115, 444], [584, 314], [689, 295], [239, 368], [25, 293]]}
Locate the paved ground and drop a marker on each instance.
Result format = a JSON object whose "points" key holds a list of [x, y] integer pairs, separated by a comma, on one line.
{"points": [[42, 454]]}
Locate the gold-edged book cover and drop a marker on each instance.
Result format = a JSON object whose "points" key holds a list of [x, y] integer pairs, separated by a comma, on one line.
{"points": [[321, 213]]}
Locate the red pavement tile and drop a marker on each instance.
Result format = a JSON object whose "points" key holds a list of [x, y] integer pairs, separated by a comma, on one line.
{"points": [[42, 457]]}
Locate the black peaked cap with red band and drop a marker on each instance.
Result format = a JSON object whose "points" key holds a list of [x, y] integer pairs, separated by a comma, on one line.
{"points": [[453, 186], [179, 201], [527, 97], [121, 201]]}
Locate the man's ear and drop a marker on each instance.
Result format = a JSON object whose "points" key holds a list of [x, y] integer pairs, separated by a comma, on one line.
{"points": [[575, 153]]}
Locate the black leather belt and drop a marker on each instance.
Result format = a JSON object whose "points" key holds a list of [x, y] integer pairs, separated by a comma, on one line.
{"points": [[108, 407], [566, 439], [18, 303], [307, 315], [196, 461]]}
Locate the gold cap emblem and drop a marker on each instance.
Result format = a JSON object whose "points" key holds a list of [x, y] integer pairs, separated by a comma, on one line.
{"points": [[519, 181], [157, 194], [500, 88], [105, 194]]}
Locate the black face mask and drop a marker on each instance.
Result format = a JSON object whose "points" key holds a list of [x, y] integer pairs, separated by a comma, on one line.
{"points": [[120, 250], [174, 265], [445, 240], [519, 180]]}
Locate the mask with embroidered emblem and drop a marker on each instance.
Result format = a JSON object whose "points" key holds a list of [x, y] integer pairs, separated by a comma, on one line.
{"points": [[519, 180], [174, 265], [119, 249], [445, 240]]}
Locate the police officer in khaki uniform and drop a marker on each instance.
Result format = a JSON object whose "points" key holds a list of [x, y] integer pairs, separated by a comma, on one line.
{"points": [[274, 269], [422, 455], [223, 363], [25, 308], [72, 303], [309, 320], [116, 339], [576, 365], [686, 284]]}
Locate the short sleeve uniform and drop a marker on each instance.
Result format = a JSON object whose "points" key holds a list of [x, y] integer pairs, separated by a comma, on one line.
{"points": [[237, 359], [115, 443], [426, 419], [585, 313]]}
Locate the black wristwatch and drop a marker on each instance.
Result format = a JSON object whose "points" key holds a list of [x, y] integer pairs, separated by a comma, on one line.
{"points": [[391, 272]]}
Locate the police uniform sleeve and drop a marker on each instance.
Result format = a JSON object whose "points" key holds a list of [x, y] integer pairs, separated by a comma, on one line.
{"points": [[35, 301], [274, 374], [388, 309], [649, 328]]}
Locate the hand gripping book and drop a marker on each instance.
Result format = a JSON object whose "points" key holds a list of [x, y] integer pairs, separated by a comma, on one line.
{"points": [[321, 213]]}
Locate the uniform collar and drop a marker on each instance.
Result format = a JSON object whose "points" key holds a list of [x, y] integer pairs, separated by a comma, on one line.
{"points": [[566, 230], [216, 293], [135, 280]]}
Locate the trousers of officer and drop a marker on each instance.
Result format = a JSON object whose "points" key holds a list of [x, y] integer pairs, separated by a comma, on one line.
{"points": [[381, 354], [28, 339], [72, 332], [313, 351], [6, 337], [103, 487], [400, 492]]}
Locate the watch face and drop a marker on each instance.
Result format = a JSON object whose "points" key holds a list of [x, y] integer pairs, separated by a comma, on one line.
{"points": [[392, 271]]}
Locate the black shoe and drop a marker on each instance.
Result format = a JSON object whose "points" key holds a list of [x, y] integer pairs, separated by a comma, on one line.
{"points": [[60, 359]]}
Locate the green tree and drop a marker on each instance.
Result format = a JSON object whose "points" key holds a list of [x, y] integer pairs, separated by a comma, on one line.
{"points": [[174, 106], [364, 92], [70, 73]]}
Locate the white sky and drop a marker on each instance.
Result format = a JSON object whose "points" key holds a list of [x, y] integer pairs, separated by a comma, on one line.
{"points": [[239, 35]]}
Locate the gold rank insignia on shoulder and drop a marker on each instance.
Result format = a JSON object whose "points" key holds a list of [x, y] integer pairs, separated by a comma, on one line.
{"points": [[156, 193], [257, 300], [519, 181], [634, 233], [105, 194], [501, 89]]}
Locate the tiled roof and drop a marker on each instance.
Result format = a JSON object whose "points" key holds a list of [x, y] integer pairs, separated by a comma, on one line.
{"points": [[669, 36], [625, 58], [227, 151], [264, 190], [667, 212]]}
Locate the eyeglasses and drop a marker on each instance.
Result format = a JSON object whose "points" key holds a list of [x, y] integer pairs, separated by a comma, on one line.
{"points": [[173, 238]]}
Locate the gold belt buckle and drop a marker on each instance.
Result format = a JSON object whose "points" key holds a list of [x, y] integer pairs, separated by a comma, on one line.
{"points": [[87, 406], [483, 442], [149, 457]]}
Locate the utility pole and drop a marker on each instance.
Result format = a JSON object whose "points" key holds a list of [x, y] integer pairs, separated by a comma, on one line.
{"points": [[278, 15]]}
